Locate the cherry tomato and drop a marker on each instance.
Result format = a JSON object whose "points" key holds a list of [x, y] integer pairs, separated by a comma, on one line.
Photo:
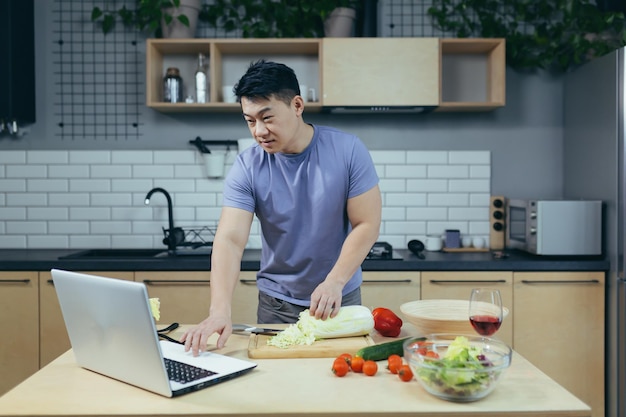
{"points": [[357, 364], [370, 368], [432, 354], [347, 357], [340, 367], [405, 373], [394, 362]]}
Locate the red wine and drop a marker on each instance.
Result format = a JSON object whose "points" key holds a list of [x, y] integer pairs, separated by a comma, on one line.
{"points": [[485, 325]]}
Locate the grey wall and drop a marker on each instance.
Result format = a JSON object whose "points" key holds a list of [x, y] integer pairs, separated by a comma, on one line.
{"points": [[524, 138]]}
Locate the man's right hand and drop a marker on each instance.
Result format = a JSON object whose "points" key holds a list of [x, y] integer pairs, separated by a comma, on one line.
{"points": [[195, 339]]}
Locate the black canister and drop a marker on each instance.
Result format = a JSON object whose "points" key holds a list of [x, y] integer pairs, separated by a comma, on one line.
{"points": [[172, 86]]}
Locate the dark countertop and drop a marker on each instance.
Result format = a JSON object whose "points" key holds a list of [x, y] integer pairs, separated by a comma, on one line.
{"points": [[46, 259]]}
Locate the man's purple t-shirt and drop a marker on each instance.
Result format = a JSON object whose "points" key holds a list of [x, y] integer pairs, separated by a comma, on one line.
{"points": [[301, 203]]}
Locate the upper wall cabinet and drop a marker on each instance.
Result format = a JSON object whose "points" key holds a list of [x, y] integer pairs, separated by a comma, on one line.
{"points": [[384, 74], [394, 72]]}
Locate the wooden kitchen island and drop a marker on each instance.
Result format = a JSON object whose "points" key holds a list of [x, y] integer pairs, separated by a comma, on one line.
{"points": [[283, 387]]}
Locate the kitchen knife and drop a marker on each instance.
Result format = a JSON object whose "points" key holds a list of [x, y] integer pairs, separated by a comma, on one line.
{"points": [[244, 328]]}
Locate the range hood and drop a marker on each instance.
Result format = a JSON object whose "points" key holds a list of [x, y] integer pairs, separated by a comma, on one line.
{"points": [[378, 109]]}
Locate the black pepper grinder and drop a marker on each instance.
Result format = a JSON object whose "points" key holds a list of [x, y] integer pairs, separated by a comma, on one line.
{"points": [[172, 86]]}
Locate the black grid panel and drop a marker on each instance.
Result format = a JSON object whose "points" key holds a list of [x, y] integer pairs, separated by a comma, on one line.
{"points": [[406, 18], [98, 79]]}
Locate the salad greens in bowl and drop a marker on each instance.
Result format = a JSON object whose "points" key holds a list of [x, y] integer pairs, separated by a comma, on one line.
{"points": [[459, 368]]}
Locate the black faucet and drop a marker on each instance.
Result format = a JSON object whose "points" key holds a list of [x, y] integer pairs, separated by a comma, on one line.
{"points": [[174, 235]]}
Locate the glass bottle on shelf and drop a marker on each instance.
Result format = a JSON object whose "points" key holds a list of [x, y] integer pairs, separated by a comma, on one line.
{"points": [[202, 84], [172, 86]]}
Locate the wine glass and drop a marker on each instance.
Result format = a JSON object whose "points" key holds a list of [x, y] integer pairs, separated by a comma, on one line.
{"points": [[485, 310]]}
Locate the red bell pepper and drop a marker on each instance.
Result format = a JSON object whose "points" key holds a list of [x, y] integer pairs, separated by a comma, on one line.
{"points": [[386, 322]]}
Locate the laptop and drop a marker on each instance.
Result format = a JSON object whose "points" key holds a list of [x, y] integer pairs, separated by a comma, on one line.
{"points": [[112, 332]]}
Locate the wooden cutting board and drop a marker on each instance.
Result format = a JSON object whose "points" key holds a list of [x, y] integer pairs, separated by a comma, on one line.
{"points": [[327, 348]]}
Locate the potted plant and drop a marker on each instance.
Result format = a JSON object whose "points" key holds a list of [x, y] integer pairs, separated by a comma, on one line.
{"points": [[163, 18], [554, 35], [272, 18]]}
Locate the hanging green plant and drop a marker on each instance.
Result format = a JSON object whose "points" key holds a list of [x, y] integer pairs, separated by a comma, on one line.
{"points": [[554, 35], [272, 18]]}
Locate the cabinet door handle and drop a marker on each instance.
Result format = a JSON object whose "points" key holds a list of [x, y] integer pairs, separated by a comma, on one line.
{"points": [[173, 281], [248, 281], [386, 281], [460, 281], [14, 281], [564, 281]]}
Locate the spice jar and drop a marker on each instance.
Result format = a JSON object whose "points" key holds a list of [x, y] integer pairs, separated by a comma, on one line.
{"points": [[172, 86]]}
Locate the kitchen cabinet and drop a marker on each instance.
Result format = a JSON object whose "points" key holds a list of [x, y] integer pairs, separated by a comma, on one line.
{"points": [[380, 72], [375, 73], [458, 286], [245, 299], [53, 338], [228, 60], [472, 74], [19, 319], [389, 289], [559, 327], [184, 296]]}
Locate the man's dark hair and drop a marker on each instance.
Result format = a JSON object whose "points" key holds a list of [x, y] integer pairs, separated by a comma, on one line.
{"points": [[265, 79]]}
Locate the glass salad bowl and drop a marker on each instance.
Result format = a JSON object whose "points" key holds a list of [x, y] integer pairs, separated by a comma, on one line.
{"points": [[459, 368]]}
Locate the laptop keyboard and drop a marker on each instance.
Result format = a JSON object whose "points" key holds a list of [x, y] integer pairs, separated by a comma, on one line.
{"points": [[184, 373]]}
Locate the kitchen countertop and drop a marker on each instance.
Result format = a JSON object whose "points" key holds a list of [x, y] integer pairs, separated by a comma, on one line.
{"points": [[283, 387], [46, 259]]}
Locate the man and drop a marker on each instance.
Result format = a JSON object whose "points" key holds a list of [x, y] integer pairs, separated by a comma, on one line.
{"points": [[315, 192]]}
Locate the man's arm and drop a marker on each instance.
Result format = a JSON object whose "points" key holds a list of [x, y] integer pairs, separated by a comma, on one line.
{"points": [[364, 213], [228, 246]]}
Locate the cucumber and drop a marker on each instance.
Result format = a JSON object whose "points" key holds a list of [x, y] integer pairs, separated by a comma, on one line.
{"points": [[383, 350]]}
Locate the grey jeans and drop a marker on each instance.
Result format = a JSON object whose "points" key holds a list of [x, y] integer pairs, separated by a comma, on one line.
{"points": [[274, 310]]}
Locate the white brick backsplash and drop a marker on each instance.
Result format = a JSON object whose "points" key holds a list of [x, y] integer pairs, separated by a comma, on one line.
{"points": [[132, 185], [469, 157], [470, 186], [448, 171], [110, 171], [388, 157], [13, 241], [174, 157], [153, 171], [69, 227], [390, 186], [95, 199], [110, 199], [47, 213], [405, 171], [13, 157], [90, 185], [90, 213], [47, 185], [430, 185], [404, 199], [68, 199], [90, 157], [112, 227], [26, 171], [48, 157], [12, 213], [26, 227], [26, 199], [448, 199], [132, 157], [12, 185], [68, 171], [427, 157]]}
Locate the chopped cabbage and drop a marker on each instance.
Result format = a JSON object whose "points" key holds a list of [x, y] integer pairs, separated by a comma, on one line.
{"points": [[155, 307], [350, 321]]}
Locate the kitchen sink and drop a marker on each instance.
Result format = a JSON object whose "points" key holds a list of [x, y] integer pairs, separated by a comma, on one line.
{"points": [[116, 254]]}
